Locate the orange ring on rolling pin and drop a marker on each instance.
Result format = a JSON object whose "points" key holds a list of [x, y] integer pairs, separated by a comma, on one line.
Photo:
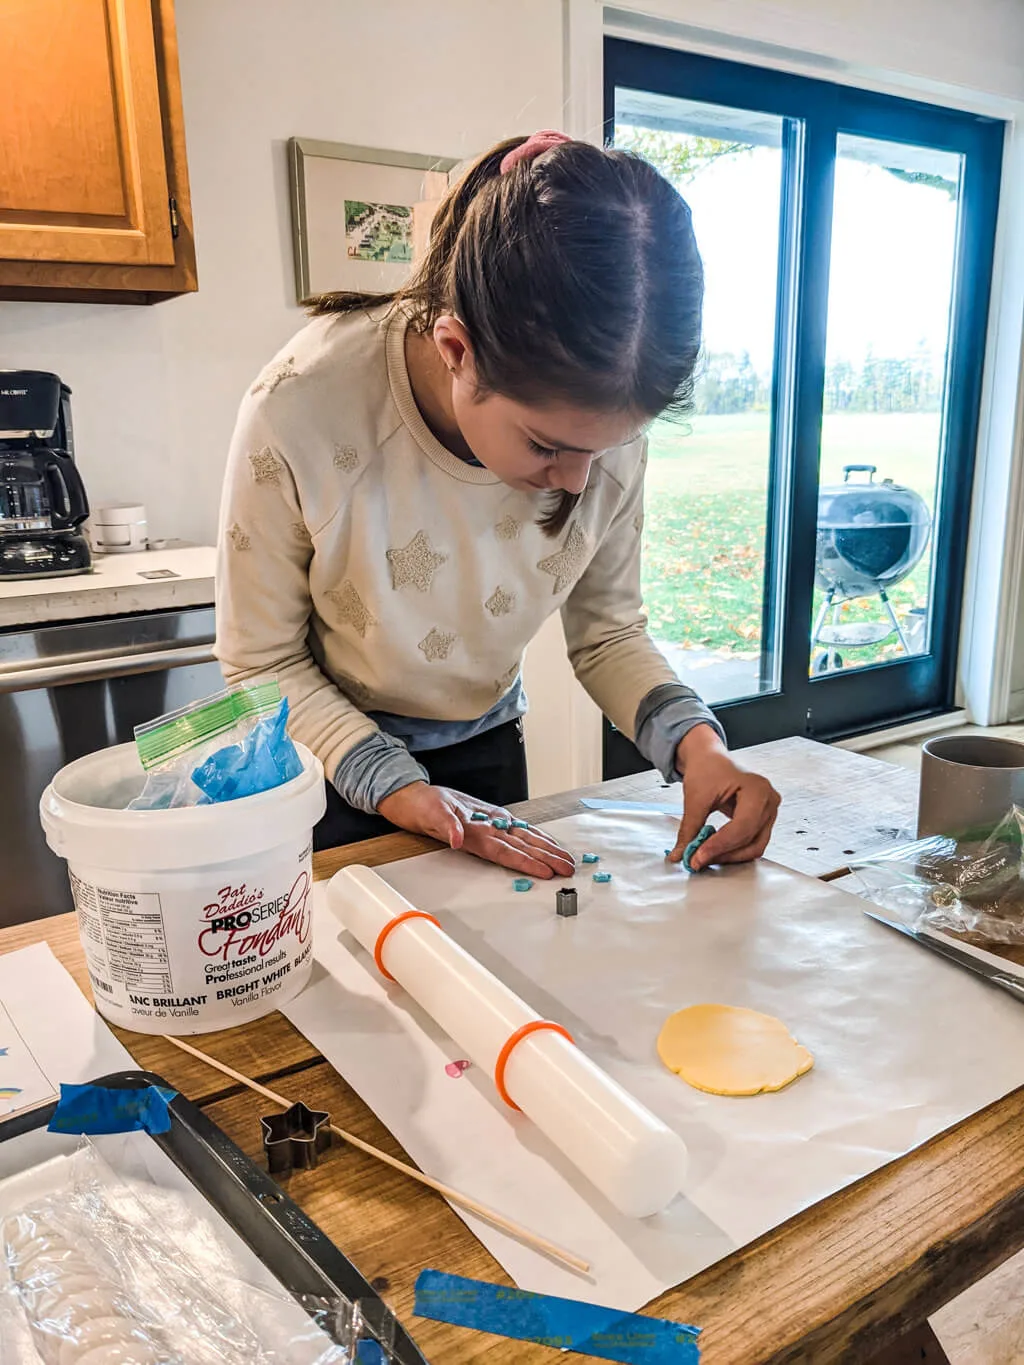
{"points": [[391, 925], [499, 1066]]}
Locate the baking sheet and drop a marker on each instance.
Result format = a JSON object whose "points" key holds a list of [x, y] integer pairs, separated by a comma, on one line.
{"points": [[153, 1191], [905, 1045]]}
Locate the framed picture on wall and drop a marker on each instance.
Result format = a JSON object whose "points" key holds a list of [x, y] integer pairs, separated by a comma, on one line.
{"points": [[360, 215]]}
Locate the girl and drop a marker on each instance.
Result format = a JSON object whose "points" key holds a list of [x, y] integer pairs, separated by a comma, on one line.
{"points": [[419, 479]]}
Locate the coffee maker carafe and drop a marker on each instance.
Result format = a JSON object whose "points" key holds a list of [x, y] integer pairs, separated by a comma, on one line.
{"points": [[42, 498]]}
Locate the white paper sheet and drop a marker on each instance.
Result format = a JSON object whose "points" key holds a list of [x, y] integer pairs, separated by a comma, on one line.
{"points": [[905, 1045], [52, 1034]]}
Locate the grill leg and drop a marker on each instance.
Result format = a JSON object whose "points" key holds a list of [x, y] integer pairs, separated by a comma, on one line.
{"points": [[895, 622], [835, 662], [820, 621]]}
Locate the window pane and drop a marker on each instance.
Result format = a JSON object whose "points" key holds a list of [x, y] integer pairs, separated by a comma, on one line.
{"points": [[706, 495], [890, 285]]}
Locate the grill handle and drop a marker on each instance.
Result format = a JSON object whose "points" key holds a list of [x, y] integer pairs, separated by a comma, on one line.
{"points": [[869, 469]]}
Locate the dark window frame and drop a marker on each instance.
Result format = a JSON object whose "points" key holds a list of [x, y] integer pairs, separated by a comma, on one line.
{"points": [[878, 695]]}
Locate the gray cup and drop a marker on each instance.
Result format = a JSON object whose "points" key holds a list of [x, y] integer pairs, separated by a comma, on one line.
{"points": [[968, 784]]}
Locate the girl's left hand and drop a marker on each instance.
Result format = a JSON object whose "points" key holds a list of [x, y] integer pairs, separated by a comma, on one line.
{"points": [[712, 781]]}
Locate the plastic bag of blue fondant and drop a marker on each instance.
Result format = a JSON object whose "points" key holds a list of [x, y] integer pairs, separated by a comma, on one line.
{"points": [[265, 758], [231, 745]]}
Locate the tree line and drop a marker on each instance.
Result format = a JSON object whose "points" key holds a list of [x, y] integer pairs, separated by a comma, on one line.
{"points": [[728, 382]]}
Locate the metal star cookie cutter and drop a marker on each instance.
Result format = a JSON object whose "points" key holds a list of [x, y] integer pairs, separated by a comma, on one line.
{"points": [[294, 1139]]}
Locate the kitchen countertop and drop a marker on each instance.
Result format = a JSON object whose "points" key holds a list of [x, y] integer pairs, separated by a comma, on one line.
{"points": [[115, 587]]}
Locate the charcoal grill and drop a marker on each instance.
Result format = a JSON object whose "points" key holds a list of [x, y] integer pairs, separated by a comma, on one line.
{"points": [[870, 537]]}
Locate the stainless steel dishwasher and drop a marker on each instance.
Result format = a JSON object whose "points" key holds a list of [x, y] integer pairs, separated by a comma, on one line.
{"points": [[67, 690]]}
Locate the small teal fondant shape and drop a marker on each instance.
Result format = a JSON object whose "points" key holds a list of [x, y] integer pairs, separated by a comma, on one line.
{"points": [[695, 844]]}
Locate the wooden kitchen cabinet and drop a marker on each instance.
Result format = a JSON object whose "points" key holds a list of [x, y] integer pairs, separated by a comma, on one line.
{"points": [[94, 200]]}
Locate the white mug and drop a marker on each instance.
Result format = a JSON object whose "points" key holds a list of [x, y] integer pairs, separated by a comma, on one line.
{"points": [[969, 784], [119, 530]]}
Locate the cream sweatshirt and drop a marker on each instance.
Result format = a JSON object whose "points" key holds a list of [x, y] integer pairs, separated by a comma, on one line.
{"points": [[370, 569]]}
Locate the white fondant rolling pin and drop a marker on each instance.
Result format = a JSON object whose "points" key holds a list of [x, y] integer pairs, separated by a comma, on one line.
{"points": [[637, 1162]]}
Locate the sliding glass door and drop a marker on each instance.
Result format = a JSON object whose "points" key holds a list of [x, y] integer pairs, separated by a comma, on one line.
{"points": [[806, 525]]}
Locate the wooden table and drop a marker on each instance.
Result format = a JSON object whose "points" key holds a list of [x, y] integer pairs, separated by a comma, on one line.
{"points": [[840, 1282]]}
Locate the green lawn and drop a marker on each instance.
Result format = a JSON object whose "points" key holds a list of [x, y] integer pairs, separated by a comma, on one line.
{"points": [[705, 505]]}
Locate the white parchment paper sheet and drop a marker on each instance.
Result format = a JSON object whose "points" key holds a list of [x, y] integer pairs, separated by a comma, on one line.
{"points": [[905, 1045]]}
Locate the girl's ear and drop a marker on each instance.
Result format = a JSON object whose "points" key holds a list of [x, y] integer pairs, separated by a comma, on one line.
{"points": [[454, 347]]}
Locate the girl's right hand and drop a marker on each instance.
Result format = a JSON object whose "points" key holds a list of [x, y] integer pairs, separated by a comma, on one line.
{"points": [[445, 814]]}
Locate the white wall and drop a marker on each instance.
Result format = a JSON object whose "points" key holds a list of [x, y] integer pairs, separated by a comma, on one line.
{"points": [[156, 388], [973, 45]]}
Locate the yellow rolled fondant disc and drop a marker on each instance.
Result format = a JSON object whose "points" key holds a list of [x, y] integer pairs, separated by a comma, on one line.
{"points": [[727, 1050]]}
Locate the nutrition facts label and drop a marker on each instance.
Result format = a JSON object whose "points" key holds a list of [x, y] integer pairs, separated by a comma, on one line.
{"points": [[128, 929]]}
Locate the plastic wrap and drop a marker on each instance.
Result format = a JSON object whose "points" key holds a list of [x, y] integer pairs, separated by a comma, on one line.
{"points": [[100, 1270], [972, 885], [230, 745]]}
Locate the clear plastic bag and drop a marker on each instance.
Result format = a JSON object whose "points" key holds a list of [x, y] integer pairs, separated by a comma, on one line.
{"points": [[233, 744], [104, 1270], [973, 885]]}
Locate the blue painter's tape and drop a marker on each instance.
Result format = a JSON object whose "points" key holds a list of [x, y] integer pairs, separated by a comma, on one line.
{"points": [[97, 1109], [695, 844], [565, 1324], [661, 807]]}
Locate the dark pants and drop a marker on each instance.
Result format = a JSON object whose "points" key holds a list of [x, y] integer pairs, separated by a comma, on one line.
{"points": [[491, 767]]}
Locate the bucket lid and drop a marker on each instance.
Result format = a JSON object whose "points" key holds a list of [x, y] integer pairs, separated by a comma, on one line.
{"points": [[80, 828]]}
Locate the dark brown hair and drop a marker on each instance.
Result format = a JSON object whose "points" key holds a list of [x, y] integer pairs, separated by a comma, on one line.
{"points": [[576, 275]]}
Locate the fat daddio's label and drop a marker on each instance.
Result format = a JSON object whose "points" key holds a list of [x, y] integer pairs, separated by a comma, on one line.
{"points": [[198, 950]]}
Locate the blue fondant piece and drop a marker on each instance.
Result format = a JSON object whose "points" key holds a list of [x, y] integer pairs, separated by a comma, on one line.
{"points": [[695, 844]]}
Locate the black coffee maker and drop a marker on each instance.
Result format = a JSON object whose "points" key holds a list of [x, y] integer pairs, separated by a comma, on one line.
{"points": [[42, 497]]}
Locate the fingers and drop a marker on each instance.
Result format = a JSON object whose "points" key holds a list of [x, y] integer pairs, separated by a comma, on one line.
{"points": [[748, 854], [520, 849], [536, 844], [695, 817], [747, 834], [514, 856], [740, 833]]}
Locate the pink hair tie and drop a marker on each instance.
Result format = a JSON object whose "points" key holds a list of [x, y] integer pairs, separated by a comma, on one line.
{"points": [[533, 146]]}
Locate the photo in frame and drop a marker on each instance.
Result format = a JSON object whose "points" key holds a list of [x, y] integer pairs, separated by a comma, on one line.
{"points": [[360, 215]]}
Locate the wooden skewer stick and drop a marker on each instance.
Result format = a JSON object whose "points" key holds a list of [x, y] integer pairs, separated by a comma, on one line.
{"points": [[465, 1200]]}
